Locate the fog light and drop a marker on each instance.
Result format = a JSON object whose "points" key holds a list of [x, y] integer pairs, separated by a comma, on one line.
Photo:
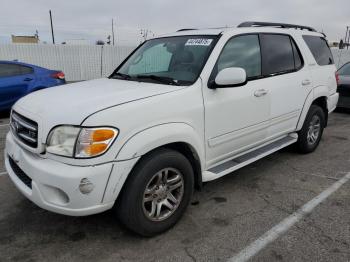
{"points": [[86, 186]]}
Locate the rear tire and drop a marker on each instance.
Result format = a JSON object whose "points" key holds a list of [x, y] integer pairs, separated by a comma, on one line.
{"points": [[312, 130], [163, 180]]}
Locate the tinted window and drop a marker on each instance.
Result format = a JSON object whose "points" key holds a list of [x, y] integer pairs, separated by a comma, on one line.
{"points": [[277, 54], [298, 61], [320, 50], [345, 70], [26, 70], [242, 51], [7, 70]]}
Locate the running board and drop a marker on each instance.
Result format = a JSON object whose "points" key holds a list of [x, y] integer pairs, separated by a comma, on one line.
{"points": [[246, 159]]}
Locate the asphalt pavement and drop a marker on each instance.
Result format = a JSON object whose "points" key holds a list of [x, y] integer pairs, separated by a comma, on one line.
{"points": [[257, 211]]}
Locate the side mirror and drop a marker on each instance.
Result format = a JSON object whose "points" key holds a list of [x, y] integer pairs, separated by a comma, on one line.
{"points": [[230, 77]]}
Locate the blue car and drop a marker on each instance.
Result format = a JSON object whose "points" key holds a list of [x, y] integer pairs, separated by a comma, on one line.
{"points": [[19, 79]]}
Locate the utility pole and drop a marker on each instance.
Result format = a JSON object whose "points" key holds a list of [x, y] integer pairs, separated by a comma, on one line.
{"points": [[113, 31], [53, 36], [346, 36], [348, 41]]}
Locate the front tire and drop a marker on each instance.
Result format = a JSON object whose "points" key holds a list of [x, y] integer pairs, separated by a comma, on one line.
{"points": [[312, 130], [157, 193]]}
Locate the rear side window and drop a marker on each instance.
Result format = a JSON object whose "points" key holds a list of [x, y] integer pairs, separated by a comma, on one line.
{"points": [[277, 54], [319, 49], [24, 70], [242, 51]]}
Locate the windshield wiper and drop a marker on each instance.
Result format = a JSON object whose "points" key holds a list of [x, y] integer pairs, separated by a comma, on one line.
{"points": [[161, 79], [121, 75]]}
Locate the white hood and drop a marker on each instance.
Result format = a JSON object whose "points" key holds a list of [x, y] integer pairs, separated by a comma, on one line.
{"points": [[72, 103]]}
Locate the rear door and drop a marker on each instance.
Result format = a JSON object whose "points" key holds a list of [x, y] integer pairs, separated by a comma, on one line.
{"points": [[323, 71], [14, 82], [287, 80]]}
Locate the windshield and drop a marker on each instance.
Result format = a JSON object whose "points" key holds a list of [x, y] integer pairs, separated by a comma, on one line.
{"points": [[172, 60]]}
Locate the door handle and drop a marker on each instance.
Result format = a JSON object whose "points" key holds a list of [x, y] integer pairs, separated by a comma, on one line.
{"points": [[306, 82], [260, 92], [27, 79]]}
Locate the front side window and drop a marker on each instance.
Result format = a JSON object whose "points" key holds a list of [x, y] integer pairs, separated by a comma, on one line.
{"points": [[171, 60], [319, 49], [241, 51], [8, 70], [277, 54]]}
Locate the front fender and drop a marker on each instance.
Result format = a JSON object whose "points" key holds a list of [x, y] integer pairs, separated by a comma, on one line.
{"points": [[143, 142], [160, 135]]}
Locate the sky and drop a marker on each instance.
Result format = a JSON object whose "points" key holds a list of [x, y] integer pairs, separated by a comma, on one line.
{"points": [[92, 19]]}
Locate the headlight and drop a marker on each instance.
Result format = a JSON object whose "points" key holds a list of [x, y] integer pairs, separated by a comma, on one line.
{"points": [[80, 142]]}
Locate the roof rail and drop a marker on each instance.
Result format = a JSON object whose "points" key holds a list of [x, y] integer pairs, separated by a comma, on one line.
{"points": [[257, 24], [186, 29]]}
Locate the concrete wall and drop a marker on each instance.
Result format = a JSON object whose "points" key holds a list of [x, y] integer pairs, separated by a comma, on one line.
{"points": [[82, 62], [341, 56]]}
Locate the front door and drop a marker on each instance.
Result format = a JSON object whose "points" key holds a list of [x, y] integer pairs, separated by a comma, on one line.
{"points": [[14, 81], [236, 118]]}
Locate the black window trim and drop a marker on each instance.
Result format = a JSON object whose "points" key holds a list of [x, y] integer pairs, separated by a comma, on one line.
{"points": [[211, 82]]}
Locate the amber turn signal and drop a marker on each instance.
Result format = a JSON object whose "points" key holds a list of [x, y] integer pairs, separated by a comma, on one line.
{"points": [[102, 135], [95, 149]]}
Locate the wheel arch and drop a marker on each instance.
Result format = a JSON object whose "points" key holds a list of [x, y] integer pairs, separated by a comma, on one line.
{"points": [[190, 153], [176, 136], [318, 96], [322, 102], [180, 137]]}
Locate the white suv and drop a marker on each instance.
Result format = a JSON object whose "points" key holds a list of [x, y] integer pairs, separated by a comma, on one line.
{"points": [[182, 109]]}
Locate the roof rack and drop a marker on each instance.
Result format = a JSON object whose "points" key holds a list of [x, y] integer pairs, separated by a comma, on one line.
{"points": [[186, 29], [258, 24]]}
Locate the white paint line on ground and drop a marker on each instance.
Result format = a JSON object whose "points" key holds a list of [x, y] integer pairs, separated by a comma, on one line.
{"points": [[278, 230], [3, 125], [3, 173]]}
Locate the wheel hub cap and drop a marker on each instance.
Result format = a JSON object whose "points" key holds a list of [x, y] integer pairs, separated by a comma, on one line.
{"points": [[163, 194], [314, 130]]}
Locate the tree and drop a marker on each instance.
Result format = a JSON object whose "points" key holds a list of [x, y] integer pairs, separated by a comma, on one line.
{"points": [[100, 42]]}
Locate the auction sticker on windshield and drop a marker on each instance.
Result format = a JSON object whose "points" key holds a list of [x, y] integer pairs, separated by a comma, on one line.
{"points": [[199, 41]]}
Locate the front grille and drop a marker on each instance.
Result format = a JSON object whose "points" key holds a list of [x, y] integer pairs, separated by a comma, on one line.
{"points": [[20, 174], [24, 129]]}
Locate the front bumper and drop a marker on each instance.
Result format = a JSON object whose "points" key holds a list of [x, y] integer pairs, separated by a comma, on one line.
{"points": [[55, 185]]}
